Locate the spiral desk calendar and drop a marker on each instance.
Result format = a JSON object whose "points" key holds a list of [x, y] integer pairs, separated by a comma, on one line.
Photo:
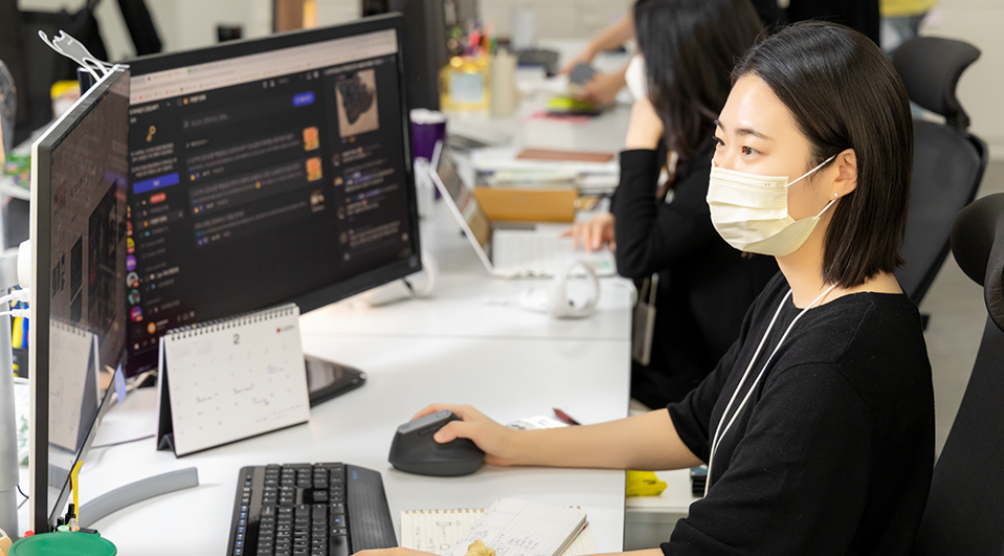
{"points": [[231, 379]]}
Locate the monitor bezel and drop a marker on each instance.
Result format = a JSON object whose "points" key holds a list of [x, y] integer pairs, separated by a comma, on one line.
{"points": [[38, 340], [326, 295]]}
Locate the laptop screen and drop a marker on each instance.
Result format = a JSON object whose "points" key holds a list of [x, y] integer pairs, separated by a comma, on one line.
{"points": [[465, 201]]}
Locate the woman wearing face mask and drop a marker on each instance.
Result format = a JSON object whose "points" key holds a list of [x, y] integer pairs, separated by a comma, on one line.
{"points": [[704, 285], [818, 424]]}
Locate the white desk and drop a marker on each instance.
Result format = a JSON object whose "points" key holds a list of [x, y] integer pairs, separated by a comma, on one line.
{"points": [[466, 302], [412, 357]]}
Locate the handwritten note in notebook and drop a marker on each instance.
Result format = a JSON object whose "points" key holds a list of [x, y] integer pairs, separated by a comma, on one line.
{"points": [[522, 528], [232, 379], [436, 531]]}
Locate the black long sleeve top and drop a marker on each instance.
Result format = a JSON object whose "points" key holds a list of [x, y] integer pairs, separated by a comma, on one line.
{"points": [[834, 451], [705, 285]]}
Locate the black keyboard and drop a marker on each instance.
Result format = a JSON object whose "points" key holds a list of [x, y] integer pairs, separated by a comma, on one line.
{"points": [[326, 509]]}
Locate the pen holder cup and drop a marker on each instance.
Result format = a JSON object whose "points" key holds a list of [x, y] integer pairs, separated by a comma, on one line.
{"points": [[427, 127]]}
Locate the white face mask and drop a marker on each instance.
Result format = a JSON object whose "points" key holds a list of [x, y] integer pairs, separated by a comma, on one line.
{"points": [[637, 80], [750, 212]]}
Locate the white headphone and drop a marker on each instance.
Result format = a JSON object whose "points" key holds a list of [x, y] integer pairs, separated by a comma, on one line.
{"points": [[555, 299]]}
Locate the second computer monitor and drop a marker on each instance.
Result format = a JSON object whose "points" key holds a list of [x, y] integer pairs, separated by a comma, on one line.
{"points": [[78, 236], [267, 171]]}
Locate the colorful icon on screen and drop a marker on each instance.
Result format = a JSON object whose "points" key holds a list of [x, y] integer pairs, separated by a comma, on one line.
{"points": [[151, 328], [311, 139], [134, 297], [130, 262], [136, 314], [130, 246], [313, 169], [132, 280]]}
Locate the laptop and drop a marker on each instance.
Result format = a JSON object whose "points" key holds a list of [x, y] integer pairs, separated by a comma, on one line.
{"points": [[511, 253]]}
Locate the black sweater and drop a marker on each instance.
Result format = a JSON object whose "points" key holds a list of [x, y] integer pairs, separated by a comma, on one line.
{"points": [[705, 286], [833, 452]]}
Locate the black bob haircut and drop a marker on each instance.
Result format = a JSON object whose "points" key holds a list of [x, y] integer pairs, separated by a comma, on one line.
{"points": [[690, 48], [845, 94]]}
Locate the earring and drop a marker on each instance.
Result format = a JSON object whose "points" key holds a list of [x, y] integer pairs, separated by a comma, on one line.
{"points": [[836, 194]]}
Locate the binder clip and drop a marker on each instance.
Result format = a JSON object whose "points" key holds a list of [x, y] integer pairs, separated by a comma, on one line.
{"points": [[75, 50]]}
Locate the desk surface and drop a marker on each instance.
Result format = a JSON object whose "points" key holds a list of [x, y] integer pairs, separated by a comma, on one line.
{"points": [[502, 377], [453, 348], [469, 303]]}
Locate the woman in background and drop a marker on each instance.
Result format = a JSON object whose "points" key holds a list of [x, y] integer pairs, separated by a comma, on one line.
{"points": [[603, 87], [704, 285]]}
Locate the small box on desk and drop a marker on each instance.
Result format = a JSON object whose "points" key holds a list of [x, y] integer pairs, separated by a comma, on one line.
{"points": [[552, 203]]}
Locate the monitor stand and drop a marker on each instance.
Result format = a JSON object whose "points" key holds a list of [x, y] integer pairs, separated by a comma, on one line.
{"points": [[327, 379], [134, 493]]}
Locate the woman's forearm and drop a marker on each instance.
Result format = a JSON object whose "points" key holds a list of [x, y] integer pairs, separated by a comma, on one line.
{"points": [[614, 36], [648, 442]]}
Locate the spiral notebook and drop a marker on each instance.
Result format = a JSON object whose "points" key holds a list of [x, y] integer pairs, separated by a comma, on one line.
{"points": [[231, 379], [510, 527]]}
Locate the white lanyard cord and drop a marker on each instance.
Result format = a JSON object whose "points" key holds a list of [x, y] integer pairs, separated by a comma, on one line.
{"points": [[719, 433]]}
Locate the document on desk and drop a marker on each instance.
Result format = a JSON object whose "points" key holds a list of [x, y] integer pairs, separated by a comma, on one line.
{"points": [[231, 379], [510, 527]]}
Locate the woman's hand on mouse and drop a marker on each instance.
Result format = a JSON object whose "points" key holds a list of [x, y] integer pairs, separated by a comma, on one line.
{"points": [[499, 443]]}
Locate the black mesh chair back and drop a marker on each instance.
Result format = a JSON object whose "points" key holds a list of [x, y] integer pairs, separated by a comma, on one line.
{"points": [[965, 510], [948, 161]]}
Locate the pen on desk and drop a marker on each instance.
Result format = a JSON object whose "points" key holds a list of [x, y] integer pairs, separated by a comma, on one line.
{"points": [[564, 417]]}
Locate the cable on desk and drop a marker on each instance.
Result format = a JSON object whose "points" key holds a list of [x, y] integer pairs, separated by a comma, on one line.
{"points": [[110, 444], [23, 502]]}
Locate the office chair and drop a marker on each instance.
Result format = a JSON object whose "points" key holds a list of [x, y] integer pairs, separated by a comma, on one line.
{"points": [[965, 509], [948, 161]]}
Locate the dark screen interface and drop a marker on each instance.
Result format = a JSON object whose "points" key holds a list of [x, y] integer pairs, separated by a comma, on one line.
{"points": [[259, 178]]}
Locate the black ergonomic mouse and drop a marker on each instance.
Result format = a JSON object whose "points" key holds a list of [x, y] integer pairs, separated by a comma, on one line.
{"points": [[415, 451]]}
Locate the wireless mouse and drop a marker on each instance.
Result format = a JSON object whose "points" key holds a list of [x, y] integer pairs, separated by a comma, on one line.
{"points": [[415, 451]]}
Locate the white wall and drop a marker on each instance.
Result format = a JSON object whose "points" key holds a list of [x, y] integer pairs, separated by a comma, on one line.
{"points": [[187, 24], [981, 89], [557, 19]]}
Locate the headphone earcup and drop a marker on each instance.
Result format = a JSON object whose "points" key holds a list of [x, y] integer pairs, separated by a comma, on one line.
{"points": [[561, 305]]}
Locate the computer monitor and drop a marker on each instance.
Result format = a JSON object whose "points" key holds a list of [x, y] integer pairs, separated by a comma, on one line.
{"points": [[425, 37], [78, 233], [267, 171]]}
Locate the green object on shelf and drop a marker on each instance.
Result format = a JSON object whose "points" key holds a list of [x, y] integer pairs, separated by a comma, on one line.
{"points": [[17, 169], [62, 544]]}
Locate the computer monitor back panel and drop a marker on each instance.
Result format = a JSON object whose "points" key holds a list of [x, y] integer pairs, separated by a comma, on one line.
{"points": [[425, 36], [79, 247], [267, 171]]}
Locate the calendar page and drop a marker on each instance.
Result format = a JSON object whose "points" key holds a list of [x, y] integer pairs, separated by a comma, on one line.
{"points": [[236, 378], [73, 393]]}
